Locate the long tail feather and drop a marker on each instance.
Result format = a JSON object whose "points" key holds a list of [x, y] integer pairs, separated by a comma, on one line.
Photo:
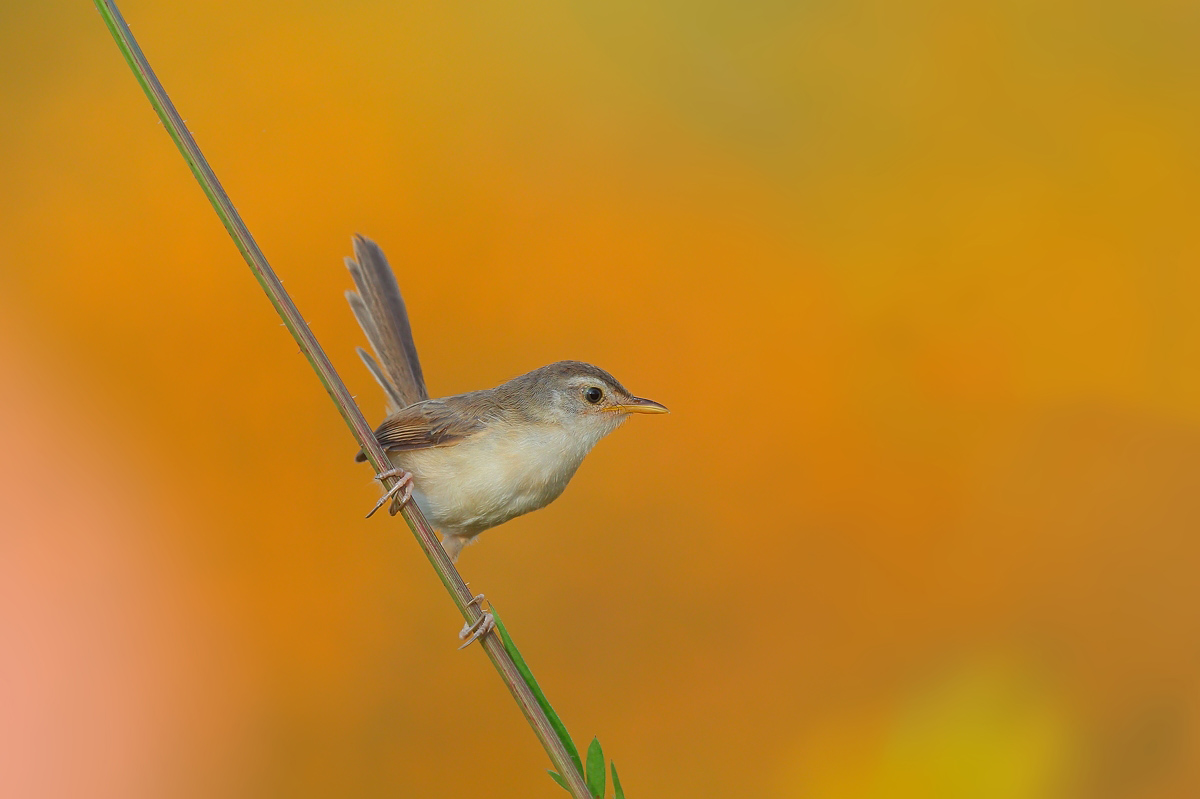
{"points": [[382, 316]]}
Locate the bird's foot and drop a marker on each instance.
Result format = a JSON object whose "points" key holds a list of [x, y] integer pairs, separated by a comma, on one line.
{"points": [[471, 632], [400, 493]]}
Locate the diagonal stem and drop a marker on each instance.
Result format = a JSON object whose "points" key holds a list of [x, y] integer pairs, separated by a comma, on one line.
{"points": [[337, 389]]}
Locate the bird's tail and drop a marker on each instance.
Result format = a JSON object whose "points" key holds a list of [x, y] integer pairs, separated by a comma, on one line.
{"points": [[380, 311]]}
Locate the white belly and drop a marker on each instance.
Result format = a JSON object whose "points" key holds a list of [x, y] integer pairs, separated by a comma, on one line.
{"points": [[491, 477]]}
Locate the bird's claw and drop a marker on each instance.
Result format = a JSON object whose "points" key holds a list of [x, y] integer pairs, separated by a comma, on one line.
{"points": [[473, 631], [400, 493]]}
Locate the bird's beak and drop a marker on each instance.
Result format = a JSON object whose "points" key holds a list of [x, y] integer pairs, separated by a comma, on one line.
{"points": [[638, 405]]}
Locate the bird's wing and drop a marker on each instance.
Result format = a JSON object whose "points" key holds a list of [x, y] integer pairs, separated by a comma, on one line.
{"points": [[433, 423], [380, 311]]}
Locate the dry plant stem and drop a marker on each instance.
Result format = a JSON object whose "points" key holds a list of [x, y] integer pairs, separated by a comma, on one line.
{"points": [[337, 390]]}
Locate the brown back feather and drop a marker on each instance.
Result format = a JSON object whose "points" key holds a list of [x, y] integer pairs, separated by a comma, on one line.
{"points": [[433, 423]]}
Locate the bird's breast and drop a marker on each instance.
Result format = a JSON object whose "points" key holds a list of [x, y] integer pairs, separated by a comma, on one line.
{"points": [[493, 476]]}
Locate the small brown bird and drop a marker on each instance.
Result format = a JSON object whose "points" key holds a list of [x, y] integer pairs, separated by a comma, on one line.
{"points": [[473, 461]]}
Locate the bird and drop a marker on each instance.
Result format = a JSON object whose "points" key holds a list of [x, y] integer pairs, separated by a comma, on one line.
{"points": [[473, 461]]}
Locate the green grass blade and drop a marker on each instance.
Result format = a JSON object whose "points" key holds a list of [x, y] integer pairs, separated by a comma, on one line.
{"points": [[560, 729], [554, 775], [594, 776], [618, 791]]}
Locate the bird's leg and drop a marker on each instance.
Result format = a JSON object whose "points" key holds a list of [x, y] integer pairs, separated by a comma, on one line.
{"points": [[400, 493], [453, 544], [471, 632]]}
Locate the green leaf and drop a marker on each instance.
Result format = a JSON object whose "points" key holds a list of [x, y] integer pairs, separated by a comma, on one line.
{"points": [[595, 769], [560, 729], [559, 780], [618, 792]]}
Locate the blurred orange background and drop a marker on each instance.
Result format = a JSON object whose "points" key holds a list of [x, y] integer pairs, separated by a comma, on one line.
{"points": [[918, 283]]}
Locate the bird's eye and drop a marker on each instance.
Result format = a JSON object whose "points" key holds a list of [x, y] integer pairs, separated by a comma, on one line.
{"points": [[593, 394]]}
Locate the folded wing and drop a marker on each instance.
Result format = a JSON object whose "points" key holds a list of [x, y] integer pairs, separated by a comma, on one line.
{"points": [[433, 423]]}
